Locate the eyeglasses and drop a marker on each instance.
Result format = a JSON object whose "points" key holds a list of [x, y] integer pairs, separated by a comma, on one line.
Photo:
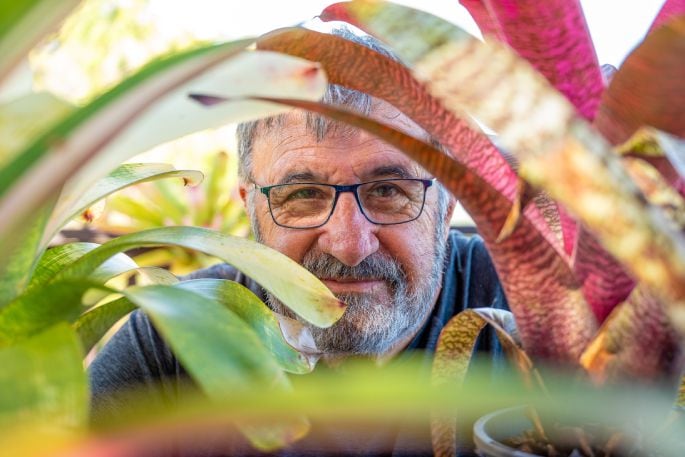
{"points": [[310, 205]]}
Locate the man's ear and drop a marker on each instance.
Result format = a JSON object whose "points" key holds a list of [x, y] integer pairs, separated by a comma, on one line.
{"points": [[242, 190], [451, 204]]}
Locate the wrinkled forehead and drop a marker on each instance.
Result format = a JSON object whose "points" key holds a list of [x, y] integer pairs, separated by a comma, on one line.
{"points": [[293, 127]]}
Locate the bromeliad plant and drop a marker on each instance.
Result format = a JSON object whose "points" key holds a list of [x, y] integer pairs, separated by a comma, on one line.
{"points": [[53, 156], [598, 286]]}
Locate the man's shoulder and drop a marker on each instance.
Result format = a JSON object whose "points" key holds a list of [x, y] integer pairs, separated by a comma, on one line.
{"points": [[467, 248], [469, 264], [226, 271], [218, 271]]}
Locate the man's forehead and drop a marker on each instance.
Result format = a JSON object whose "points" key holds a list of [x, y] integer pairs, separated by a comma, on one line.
{"points": [[298, 121], [302, 172], [292, 150]]}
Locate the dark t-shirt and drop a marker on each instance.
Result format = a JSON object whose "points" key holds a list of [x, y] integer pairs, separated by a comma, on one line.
{"points": [[137, 356]]}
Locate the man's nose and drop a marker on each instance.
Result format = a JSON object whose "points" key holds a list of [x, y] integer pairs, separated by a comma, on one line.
{"points": [[348, 235]]}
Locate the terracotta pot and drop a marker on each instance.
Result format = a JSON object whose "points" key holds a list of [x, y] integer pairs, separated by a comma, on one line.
{"points": [[490, 431]]}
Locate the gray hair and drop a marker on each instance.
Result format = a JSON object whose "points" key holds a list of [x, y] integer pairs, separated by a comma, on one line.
{"points": [[322, 126]]}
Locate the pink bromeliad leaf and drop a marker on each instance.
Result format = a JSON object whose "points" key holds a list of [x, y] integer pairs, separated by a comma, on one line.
{"points": [[537, 32], [553, 37], [647, 90], [485, 19], [636, 341], [670, 9]]}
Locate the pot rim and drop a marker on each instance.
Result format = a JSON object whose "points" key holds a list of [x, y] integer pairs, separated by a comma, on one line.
{"points": [[485, 442]]}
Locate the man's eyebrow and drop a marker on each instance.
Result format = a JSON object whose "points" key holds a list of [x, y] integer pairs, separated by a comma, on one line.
{"points": [[396, 171], [298, 176]]}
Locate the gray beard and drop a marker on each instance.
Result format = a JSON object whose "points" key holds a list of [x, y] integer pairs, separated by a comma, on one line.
{"points": [[369, 327]]}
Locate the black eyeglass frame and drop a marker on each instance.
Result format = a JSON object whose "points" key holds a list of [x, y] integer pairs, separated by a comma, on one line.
{"points": [[346, 188]]}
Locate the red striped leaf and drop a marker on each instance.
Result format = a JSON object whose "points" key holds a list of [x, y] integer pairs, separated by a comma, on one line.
{"points": [[554, 37], [648, 89], [669, 9]]}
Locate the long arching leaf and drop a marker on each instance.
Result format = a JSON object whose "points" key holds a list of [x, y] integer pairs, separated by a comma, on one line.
{"points": [[99, 136], [292, 284], [554, 37], [648, 88], [557, 150], [257, 315], [56, 259], [355, 66], [23, 24], [125, 175]]}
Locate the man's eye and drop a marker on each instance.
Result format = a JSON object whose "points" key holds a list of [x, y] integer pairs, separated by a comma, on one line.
{"points": [[306, 193], [385, 190]]}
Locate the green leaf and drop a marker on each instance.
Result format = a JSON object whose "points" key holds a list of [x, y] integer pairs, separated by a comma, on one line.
{"points": [[56, 259], [23, 24], [42, 380], [42, 307], [94, 139], [256, 314], [23, 119], [220, 351], [293, 285], [125, 175], [93, 324], [20, 256], [363, 397]]}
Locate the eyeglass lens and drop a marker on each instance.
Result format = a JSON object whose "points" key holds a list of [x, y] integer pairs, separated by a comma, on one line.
{"points": [[383, 202]]}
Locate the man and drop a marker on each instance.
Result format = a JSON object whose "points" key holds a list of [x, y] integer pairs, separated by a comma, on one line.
{"points": [[361, 216]]}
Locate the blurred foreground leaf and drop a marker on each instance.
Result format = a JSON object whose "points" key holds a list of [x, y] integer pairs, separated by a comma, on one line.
{"points": [[53, 388]]}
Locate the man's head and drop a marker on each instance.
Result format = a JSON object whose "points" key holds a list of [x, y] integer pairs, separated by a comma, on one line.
{"points": [[389, 275]]}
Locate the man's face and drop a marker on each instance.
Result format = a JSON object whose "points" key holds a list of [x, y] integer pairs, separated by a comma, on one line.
{"points": [[389, 275]]}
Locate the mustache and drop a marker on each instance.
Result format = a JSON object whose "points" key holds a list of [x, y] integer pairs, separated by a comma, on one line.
{"points": [[375, 267]]}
